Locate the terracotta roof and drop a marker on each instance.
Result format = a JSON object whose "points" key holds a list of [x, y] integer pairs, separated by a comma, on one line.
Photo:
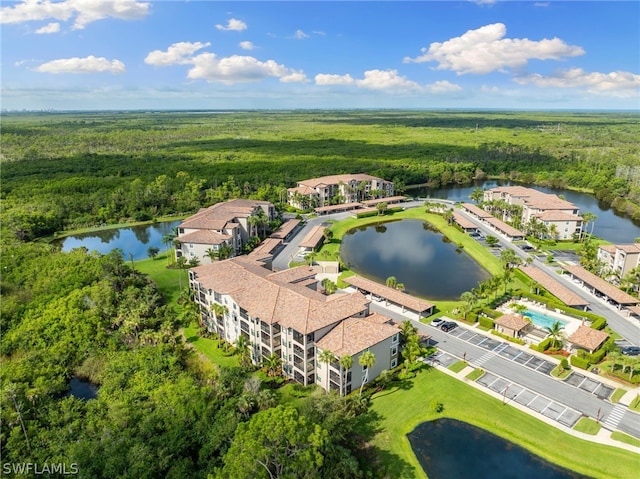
{"points": [[215, 217], [355, 335], [609, 248], [479, 212], [629, 248], [587, 337], [635, 310], [601, 285], [292, 275], [391, 294], [313, 238], [463, 222], [504, 227], [557, 215], [390, 199], [535, 199], [340, 207], [564, 294], [303, 190], [269, 297], [365, 210], [335, 179], [512, 321], [286, 228], [266, 248], [204, 237]]}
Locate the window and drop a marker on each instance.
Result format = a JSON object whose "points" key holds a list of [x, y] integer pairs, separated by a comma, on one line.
{"points": [[394, 363], [395, 338], [394, 350]]}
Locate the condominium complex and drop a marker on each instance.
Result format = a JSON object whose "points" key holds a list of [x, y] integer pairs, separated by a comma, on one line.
{"points": [[223, 224], [337, 189], [283, 313], [561, 217], [619, 259]]}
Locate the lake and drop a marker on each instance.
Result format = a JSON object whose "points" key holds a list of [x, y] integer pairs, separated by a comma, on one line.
{"points": [[450, 449], [428, 264], [133, 240], [610, 225]]}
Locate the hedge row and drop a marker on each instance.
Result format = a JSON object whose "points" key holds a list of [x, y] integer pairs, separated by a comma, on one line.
{"points": [[509, 338], [599, 324], [554, 303], [579, 362], [486, 322]]}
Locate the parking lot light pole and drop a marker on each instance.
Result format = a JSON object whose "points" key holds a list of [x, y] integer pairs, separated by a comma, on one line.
{"points": [[504, 395]]}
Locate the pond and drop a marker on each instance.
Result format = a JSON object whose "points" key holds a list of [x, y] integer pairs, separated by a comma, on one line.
{"points": [[450, 449], [420, 257], [133, 240], [610, 225], [81, 389]]}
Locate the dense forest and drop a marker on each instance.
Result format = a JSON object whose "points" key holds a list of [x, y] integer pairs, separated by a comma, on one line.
{"points": [[160, 412], [63, 171]]}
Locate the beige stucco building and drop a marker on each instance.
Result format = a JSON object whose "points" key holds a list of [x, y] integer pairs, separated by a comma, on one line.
{"points": [[619, 259], [352, 188], [283, 313]]}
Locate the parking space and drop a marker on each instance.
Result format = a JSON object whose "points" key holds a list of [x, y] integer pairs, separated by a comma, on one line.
{"points": [[590, 385], [441, 358], [575, 379], [604, 392], [509, 352], [489, 344], [523, 358], [514, 392], [546, 367]]}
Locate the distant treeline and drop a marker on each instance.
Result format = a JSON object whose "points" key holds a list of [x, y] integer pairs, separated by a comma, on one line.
{"points": [[62, 171]]}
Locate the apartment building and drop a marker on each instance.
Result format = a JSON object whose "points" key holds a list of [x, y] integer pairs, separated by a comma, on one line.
{"points": [[619, 259], [348, 188], [283, 313], [222, 224], [559, 216]]}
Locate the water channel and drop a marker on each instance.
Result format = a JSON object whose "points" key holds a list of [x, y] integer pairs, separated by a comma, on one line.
{"points": [[450, 449], [421, 258]]}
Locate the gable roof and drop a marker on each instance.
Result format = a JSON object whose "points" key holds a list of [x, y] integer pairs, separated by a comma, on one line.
{"points": [[512, 321], [215, 217], [564, 294], [587, 337], [355, 335]]}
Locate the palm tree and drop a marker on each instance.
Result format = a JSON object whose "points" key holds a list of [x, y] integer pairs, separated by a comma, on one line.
{"points": [[181, 262], [346, 362], [242, 348], [225, 251], [448, 215], [326, 357], [391, 282], [407, 330], [505, 278], [400, 286], [588, 217], [553, 231], [272, 364], [477, 195], [212, 254], [614, 357], [469, 300], [555, 333], [366, 360]]}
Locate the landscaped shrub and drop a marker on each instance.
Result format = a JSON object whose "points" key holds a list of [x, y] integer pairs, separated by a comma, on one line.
{"points": [[436, 406], [543, 345], [492, 313], [596, 357], [564, 364], [599, 324], [486, 322], [367, 214], [472, 317], [508, 338], [579, 362]]}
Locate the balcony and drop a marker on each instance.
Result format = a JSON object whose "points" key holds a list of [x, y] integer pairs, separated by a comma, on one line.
{"points": [[298, 362], [333, 376], [298, 350]]}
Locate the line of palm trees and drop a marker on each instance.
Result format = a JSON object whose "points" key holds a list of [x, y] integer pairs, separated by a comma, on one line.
{"points": [[367, 360]]}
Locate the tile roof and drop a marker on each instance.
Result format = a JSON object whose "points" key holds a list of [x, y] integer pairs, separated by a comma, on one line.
{"points": [[391, 294], [504, 227], [512, 321], [335, 179], [609, 248], [564, 294], [557, 215], [601, 285], [204, 237], [265, 248], [272, 298], [587, 337], [390, 199], [479, 212], [355, 335], [340, 207], [303, 190], [463, 222], [536, 199], [215, 217], [313, 238], [629, 248], [286, 228]]}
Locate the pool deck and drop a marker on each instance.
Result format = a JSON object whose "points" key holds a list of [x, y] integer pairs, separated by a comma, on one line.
{"points": [[571, 324]]}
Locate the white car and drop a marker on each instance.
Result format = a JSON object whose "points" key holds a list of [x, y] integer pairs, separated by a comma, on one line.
{"points": [[436, 323]]}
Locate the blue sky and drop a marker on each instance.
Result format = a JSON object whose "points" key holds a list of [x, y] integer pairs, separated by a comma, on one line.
{"points": [[134, 54]]}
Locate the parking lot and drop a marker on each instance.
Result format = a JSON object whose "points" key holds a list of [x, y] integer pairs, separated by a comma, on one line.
{"points": [[512, 353]]}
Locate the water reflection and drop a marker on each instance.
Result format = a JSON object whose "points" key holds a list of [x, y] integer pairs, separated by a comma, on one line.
{"points": [[414, 252], [450, 449], [133, 240]]}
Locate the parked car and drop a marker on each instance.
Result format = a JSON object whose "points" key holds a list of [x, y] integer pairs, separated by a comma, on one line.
{"points": [[448, 326], [631, 350], [436, 323]]}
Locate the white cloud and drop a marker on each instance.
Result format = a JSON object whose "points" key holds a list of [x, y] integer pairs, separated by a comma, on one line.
{"points": [[388, 80], [485, 50], [247, 45], [328, 79], [177, 54], [300, 35], [619, 83], [88, 64], [50, 28], [233, 25], [85, 11], [319, 32], [443, 86], [541, 4], [239, 69]]}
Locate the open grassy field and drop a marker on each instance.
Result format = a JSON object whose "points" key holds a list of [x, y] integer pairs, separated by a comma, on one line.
{"points": [[402, 408]]}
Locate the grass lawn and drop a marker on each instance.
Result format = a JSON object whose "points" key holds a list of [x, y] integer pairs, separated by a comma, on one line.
{"points": [[209, 347], [401, 409], [560, 373], [475, 374], [617, 394], [166, 279], [457, 366], [587, 426], [622, 437]]}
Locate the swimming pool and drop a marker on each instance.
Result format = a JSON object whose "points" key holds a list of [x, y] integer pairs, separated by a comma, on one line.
{"points": [[542, 320]]}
